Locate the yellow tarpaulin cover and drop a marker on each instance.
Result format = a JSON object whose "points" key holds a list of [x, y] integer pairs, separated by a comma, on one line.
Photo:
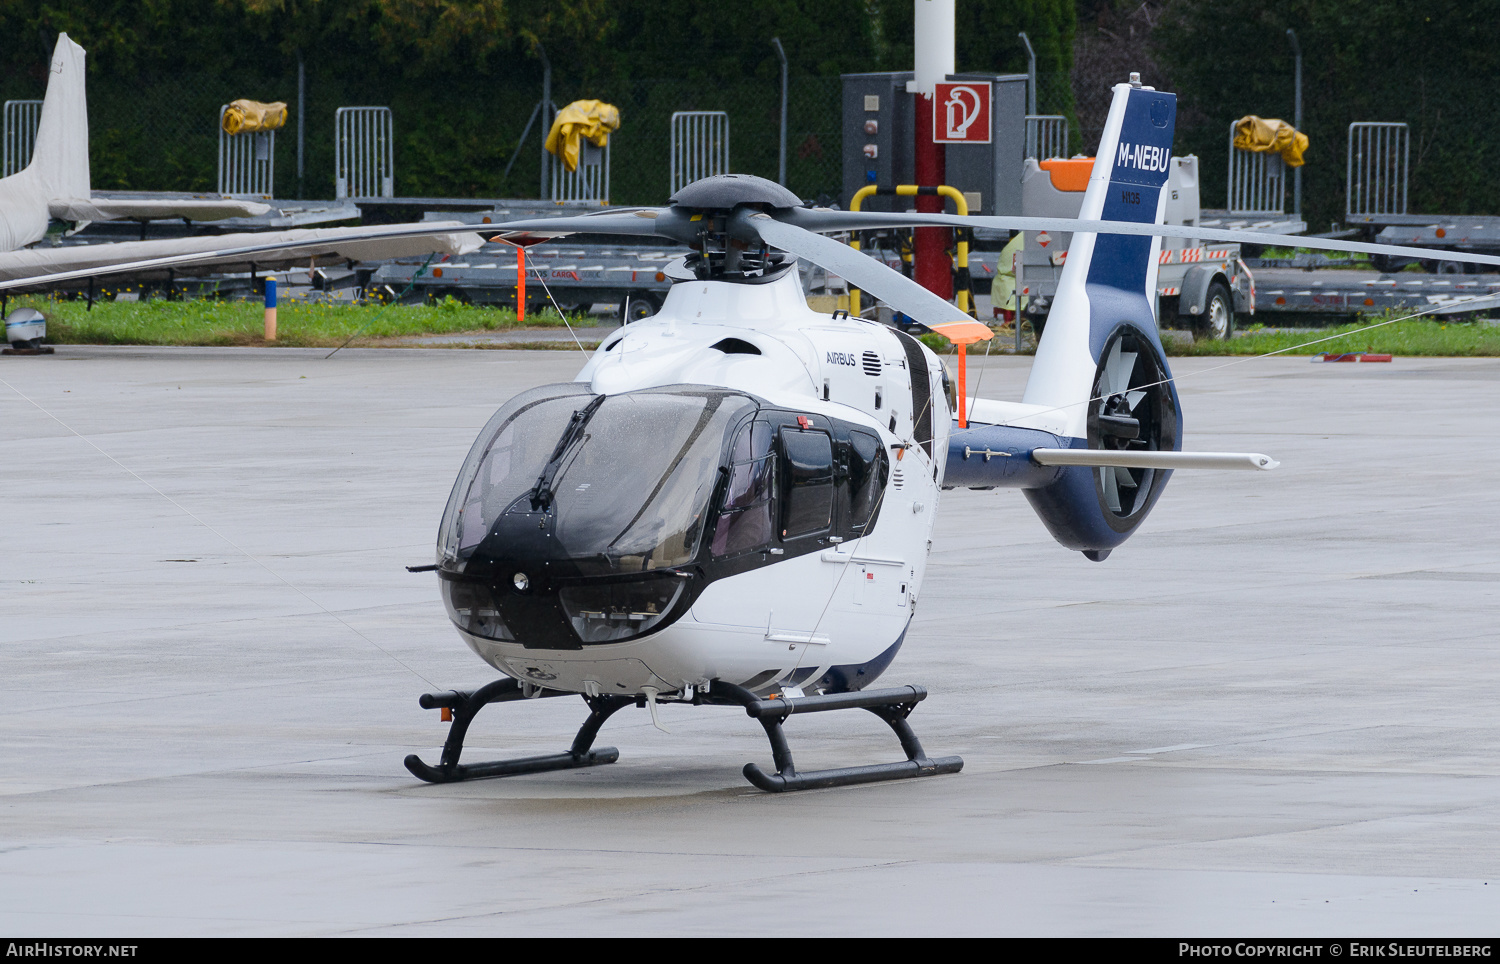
{"points": [[593, 119], [249, 116], [1270, 136]]}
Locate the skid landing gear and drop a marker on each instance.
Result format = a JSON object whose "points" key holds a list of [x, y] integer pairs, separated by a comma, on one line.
{"points": [[891, 705], [465, 705]]}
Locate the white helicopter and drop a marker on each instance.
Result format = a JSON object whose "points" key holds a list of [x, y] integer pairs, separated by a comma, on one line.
{"points": [[733, 501]]}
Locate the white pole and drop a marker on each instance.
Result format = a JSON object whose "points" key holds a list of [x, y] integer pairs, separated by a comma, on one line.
{"points": [[935, 59]]}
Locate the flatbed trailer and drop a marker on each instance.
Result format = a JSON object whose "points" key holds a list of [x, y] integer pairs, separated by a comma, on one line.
{"points": [[1475, 233], [1200, 285], [575, 275], [1369, 293]]}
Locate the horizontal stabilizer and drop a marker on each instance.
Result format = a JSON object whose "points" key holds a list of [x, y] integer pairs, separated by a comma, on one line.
{"points": [[963, 332], [1103, 458]]}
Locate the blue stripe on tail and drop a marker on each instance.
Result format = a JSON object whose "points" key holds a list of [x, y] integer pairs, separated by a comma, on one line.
{"points": [[1120, 267]]}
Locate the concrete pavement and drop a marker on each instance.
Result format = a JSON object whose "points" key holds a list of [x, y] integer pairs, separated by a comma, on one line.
{"points": [[1272, 712]]}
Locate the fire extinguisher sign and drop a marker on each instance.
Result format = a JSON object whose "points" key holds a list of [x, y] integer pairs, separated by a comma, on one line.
{"points": [[961, 113]]}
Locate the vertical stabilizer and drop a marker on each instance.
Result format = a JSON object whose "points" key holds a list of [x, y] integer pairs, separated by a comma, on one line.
{"points": [[1100, 362], [1109, 280], [60, 162]]}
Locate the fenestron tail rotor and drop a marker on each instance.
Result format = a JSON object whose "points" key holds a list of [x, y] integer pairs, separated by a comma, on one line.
{"points": [[1116, 424]]}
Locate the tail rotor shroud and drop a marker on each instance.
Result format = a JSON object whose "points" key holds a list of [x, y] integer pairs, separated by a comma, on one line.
{"points": [[1131, 410]]}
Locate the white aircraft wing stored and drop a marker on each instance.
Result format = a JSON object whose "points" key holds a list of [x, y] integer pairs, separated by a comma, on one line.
{"points": [[143, 209], [41, 267]]}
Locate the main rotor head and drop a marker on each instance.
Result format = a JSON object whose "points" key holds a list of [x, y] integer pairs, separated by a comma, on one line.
{"points": [[725, 192]]}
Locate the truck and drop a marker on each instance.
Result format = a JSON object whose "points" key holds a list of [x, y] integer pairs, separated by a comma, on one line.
{"points": [[1200, 286]]}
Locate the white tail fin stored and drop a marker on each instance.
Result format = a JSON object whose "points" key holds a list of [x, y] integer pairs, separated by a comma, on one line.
{"points": [[60, 162]]}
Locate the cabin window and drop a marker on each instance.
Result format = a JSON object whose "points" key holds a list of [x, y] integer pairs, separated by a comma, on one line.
{"points": [[745, 517], [807, 505], [867, 471]]}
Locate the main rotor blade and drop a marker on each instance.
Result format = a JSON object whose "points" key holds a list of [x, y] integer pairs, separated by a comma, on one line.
{"points": [[894, 289], [825, 221], [351, 243], [644, 222]]}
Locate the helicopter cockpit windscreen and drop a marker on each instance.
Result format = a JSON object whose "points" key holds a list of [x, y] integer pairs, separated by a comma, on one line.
{"points": [[635, 491], [503, 463], [625, 479]]}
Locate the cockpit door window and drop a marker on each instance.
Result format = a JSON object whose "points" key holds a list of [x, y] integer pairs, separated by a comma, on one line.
{"points": [[745, 519]]}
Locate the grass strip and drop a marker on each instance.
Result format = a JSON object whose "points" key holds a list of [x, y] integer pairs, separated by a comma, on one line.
{"points": [[299, 324], [1419, 337], [304, 325]]}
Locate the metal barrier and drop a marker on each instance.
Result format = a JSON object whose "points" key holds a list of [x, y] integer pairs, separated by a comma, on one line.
{"points": [[247, 162], [700, 145], [1046, 136], [363, 154], [1257, 181], [587, 185], [19, 135], [1377, 167]]}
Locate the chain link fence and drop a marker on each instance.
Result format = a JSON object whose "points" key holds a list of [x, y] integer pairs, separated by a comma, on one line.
{"points": [[160, 133]]}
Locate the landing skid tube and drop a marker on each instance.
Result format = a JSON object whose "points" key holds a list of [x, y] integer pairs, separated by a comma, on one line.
{"points": [[465, 705], [891, 705]]}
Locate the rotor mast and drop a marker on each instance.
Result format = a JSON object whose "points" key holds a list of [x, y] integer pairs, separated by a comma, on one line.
{"points": [[935, 61]]}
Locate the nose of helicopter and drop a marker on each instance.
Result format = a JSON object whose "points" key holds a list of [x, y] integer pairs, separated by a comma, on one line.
{"points": [[578, 515]]}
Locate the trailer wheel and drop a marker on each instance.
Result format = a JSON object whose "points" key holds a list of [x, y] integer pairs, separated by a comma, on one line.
{"points": [[1217, 321], [636, 306]]}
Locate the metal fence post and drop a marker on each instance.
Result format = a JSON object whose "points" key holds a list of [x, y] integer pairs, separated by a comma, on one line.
{"points": [[781, 55], [546, 113], [1030, 73], [1297, 123], [301, 124]]}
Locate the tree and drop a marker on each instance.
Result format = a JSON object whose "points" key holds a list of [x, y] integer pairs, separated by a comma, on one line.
{"points": [[1433, 66]]}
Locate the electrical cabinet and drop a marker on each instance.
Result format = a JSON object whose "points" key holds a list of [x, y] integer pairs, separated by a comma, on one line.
{"points": [[878, 123]]}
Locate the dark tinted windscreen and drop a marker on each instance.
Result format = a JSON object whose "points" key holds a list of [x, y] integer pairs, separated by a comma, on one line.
{"points": [[634, 493]]}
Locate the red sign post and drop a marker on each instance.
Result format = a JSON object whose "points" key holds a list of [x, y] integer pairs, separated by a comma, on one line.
{"points": [[961, 113]]}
